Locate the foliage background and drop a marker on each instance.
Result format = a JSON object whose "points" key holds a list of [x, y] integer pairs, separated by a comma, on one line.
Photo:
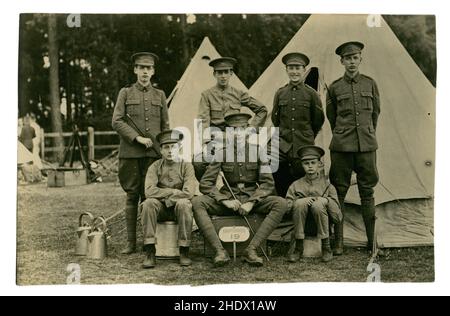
{"points": [[94, 59]]}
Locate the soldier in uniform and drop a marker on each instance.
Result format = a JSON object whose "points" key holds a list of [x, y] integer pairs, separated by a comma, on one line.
{"points": [[297, 111], [139, 115], [224, 99], [169, 186], [253, 188], [353, 107], [313, 193]]}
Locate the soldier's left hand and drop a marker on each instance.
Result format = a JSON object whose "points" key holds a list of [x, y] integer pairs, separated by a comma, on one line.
{"points": [[246, 208]]}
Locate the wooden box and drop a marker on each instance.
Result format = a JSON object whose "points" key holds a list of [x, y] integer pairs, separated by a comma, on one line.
{"points": [[62, 177], [220, 222]]}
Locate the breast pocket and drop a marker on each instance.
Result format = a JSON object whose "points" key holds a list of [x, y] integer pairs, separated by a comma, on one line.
{"points": [[252, 171], [228, 168], [155, 108], [132, 107], [344, 102], [283, 109], [216, 111], [367, 99]]}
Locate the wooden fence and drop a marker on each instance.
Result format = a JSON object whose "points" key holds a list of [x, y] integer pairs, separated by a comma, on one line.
{"points": [[91, 144]]}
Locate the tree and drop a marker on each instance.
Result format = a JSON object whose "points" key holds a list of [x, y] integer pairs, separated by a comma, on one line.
{"points": [[55, 101]]}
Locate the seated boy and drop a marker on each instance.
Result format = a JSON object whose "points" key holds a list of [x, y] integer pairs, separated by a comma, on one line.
{"points": [[169, 186], [313, 193]]}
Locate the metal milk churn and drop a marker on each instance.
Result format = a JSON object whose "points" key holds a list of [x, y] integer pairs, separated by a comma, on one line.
{"points": [[84, 229], [97, 245]]}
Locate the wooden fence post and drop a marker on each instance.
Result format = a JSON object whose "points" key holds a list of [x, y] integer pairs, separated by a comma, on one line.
{"points": [[91, 143], [42, 137]]}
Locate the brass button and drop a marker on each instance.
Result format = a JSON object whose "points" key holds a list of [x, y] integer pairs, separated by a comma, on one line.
{"points": [[293, 99], [146, 118], [146, 109]]}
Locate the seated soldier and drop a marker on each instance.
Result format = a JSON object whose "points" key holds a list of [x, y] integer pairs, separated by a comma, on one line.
{"points": [[313, 193], [169, 186], [252, 188]]}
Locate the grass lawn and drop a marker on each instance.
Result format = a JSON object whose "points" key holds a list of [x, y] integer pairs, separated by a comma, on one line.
{"points": [[48, 218]]}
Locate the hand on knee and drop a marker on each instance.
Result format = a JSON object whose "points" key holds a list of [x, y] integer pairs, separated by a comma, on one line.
{"points": [[184, 204], [301, 204], [318, 207]]}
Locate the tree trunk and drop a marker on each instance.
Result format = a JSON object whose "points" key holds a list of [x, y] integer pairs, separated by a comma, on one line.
{"points": [[55, 101], [23, 63], [184, 40]]}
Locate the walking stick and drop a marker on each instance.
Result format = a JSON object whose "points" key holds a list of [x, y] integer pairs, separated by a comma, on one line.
{"points": [[245, 217]]}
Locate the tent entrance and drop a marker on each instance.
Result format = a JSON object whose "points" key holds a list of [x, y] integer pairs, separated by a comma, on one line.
{"points": [[312, 78]]}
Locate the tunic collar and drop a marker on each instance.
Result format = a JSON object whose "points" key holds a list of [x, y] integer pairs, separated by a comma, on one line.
{"points": [[298, 85], [354, 79], [141, 87]]}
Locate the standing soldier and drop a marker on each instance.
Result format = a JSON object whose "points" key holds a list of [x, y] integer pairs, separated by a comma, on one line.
{"points": [[169, 186], [140, 114], [224, 99], [297, 111], [353, 107], [253, 191]]}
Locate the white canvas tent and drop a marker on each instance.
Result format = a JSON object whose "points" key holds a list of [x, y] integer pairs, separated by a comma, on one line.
{"points": [[406, 128], [184, 100]]}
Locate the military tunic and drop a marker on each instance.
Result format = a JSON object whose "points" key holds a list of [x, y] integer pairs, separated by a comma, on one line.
{"points": [[353, 107], [315, 187], [297, 111], [148, 110], [169, 189], [216, 102]]}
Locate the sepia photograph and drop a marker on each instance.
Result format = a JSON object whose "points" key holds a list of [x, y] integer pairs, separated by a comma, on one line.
{"points": [[217, 149]]}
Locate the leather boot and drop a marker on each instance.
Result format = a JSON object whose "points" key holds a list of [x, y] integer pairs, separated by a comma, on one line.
{"points": [[327, 254], [221, 258], [131, 221], [203, 221], [297, 253], [252, 258], [368, 212], [339, 232], [150, 259], [267, 227], [185, 261]]}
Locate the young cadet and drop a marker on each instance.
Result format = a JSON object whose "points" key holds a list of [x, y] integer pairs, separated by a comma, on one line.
{"points": [[169, 186], [313, 193], [297, 111], [353, 107], [252, 188], [139, 115]]}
